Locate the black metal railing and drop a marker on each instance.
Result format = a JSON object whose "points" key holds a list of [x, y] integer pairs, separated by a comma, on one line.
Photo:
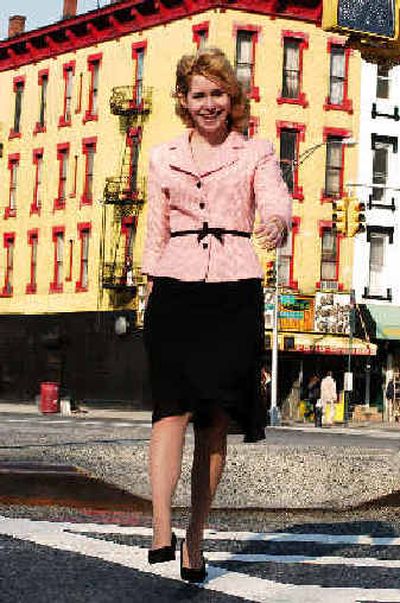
{"points": [[119, 276], [130, 100], [124, 190]]}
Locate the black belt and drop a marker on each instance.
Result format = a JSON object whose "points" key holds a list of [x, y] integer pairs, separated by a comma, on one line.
{"points": [[216, 232]]}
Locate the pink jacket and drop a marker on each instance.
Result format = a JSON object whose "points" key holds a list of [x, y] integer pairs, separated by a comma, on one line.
{"points": [[245, 177]]}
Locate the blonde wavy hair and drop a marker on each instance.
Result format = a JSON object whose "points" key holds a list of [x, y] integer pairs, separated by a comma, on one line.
{"points": [[212, 64]]}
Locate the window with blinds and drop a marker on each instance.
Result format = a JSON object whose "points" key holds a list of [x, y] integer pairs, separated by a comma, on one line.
{"points": [[379, 170], [291, 68], [328, 255], [337, 78], [376, 286], [383, 81], [334, 166], [244, 65]]}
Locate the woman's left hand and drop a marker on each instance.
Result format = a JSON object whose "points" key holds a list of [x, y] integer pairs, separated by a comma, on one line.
{"points": [[271, 234]]}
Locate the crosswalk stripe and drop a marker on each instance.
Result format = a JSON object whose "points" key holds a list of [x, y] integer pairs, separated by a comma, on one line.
{"points": [[281, 537], [303, 559], [259, 590]]}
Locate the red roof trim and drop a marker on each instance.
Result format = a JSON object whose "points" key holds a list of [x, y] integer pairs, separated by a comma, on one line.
{"points": [[128, 16]]}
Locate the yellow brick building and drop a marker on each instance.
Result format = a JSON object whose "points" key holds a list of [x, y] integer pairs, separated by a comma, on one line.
{"points": [[85, 99]]}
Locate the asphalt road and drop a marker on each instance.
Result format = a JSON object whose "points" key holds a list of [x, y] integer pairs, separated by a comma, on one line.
{"points": [[30, 431]]}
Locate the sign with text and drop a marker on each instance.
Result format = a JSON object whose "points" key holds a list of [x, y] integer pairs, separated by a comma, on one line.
{"points": [[332, 313]]}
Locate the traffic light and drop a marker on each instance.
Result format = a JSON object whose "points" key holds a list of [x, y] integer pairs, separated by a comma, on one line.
{"points": [[355, 216], [364, 19], [339, 216], [270, 274]]}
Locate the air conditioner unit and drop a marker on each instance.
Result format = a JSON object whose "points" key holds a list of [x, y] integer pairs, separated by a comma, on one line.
{"points": [[329, 286]]}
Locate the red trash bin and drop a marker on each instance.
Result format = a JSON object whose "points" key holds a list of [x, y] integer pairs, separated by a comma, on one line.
{"points": [[49, 397]]}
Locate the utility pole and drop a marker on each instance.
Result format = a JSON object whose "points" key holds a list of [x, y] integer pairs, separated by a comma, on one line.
{"points": [[275, 416]]}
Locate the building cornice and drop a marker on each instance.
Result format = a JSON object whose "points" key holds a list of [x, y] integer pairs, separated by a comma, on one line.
{"points": [[128, 16]]}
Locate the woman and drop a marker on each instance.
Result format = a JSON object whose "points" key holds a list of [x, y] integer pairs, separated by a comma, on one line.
{"points": [[204, 316]]}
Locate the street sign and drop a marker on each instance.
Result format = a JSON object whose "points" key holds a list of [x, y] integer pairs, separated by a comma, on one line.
{"points": [[348, 382]]}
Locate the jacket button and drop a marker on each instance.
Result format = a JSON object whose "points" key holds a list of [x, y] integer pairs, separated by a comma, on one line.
{"points": [[202, 205], [205, 245], [198, 184]]}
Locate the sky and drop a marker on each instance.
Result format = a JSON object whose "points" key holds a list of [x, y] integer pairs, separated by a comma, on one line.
{"points": [[39, 12]]}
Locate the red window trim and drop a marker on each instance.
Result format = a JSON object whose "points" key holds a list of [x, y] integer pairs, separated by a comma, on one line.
{"points": [[37, 153], [62, 152], [127, 222], [91, 61], [301, 134], [31, 287], [198, 29], [295, 231], [322, 224], [255, 30], [82, 227], [75, 177], [303, 38], [8, 240], [19, 79], [70, 66], [338, 133], [56, 287], [86, 143], [347, 104], [13, 159]]}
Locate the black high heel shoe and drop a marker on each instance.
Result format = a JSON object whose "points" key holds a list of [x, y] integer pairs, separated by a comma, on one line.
{"points": [[193, 574], [165, 553]]}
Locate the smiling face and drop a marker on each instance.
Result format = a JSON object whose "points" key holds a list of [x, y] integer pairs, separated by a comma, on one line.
{"points": [[208, 104]]}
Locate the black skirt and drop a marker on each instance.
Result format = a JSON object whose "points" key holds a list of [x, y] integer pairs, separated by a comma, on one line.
{"points": [[205, 343]]}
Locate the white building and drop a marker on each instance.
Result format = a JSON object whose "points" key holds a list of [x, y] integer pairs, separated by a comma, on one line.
{"points": [[376, 276]]}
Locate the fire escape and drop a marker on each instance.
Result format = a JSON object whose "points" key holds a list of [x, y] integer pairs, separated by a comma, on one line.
{"points": [[123, 198]]}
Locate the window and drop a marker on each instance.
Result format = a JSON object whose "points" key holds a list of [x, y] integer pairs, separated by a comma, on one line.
{"points": [[376, 282], [334, 166], [19, 85], [84, 235], [293, 44], [33, 238], [288, 156], [63, 159], [69, 72], [89, 150], [43, 84], [328, 255], [382, 148], [13, 165], [285, 262], [291, 68], [337, 77], [94, 69], [200, 34], [9, 244], [58, 239], [138, 52], [37, 187], [134, 140], [244, 63], [383, 81]]}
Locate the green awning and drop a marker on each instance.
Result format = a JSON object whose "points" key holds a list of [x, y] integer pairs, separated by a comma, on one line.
{"points": [[387, 320]]}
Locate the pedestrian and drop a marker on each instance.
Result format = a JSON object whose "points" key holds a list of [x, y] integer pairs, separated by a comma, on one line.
{"points": [[266, 383], [204, 317], [328, 397], [314, 398], [390, 399]]}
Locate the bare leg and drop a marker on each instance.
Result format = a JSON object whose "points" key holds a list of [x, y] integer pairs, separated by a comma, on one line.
{"points": [[166, 447], [208, 465]]}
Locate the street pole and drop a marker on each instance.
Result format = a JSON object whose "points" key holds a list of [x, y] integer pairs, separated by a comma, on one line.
{"points": [[349, 386], [275, 418]]}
